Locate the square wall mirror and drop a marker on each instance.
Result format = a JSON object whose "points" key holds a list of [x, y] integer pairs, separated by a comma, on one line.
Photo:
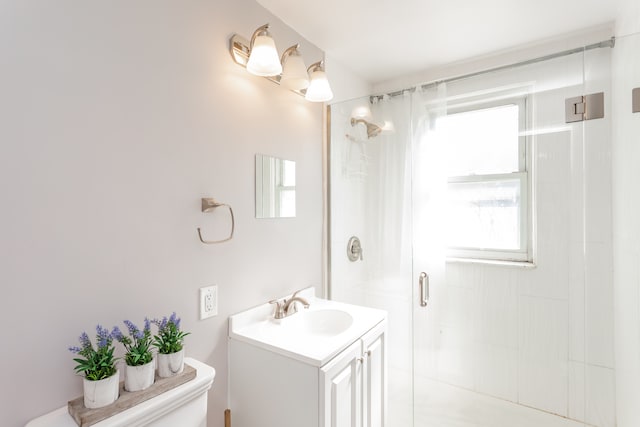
{"points": [[275, 187]]}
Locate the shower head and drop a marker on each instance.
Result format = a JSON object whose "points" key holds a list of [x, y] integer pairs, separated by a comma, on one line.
{"points": [[373, 129]]}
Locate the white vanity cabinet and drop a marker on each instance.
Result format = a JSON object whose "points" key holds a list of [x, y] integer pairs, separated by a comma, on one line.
{"points": [[353, 384], [323, 382]]}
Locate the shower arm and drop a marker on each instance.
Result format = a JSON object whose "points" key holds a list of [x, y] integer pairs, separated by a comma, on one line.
{"points": [[373, 129]]}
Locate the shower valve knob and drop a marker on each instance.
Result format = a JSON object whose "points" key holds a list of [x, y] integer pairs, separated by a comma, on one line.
{"points": [[354, 249]]}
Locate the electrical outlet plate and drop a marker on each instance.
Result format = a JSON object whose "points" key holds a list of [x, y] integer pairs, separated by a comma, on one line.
{"points": [[208, 302]]}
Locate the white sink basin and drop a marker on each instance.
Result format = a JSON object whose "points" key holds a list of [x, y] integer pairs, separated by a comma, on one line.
{"points": [[323, 322], [313, 335]]}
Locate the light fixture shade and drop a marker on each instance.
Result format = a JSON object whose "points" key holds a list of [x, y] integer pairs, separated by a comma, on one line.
{"points": [[319, 89], [263, 59], [294, 75]]}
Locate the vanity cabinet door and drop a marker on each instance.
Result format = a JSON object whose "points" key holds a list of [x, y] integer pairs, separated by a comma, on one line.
{"points": [[341, 389], [374, 377]]}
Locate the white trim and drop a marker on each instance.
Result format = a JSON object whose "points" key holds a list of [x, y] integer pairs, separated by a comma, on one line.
{"points": [[525, 253]]}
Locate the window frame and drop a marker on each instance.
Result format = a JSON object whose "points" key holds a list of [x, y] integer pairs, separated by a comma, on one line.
{"points": [[523, 175]]}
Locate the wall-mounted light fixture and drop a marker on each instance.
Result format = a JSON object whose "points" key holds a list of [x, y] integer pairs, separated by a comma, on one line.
{"points": [[263, 56], [319, 89], [260, 57], [294, 74]]}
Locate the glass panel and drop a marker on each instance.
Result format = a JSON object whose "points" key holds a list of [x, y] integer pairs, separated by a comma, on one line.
{"points": [[481, 142], [370, 199], [484, 214], [495, 346]]}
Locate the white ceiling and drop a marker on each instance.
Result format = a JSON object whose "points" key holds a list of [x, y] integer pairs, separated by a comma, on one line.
{"points": [[384, 39]]}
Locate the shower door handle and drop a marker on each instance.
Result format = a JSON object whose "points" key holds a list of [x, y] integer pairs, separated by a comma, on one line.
{"points": [[423, 282]]}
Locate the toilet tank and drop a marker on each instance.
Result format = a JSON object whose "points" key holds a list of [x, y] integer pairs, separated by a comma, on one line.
{"points": [[183, 406]]}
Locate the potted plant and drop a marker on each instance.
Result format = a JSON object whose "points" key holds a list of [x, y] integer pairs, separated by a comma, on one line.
{"points": [[169, 342], [101, 381], [139, 372]]}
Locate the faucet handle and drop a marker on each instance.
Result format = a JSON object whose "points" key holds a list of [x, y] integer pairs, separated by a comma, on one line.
{"points": [[279, 310]]}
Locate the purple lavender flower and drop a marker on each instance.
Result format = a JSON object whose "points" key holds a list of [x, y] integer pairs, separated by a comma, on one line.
{"points": [[103, 337], [161, 324], [75, 349], [132, 328], [173, 317], [147, 324], [117, 334], [85, 341]]}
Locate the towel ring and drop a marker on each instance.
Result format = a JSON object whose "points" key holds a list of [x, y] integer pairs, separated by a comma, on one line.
{"points": [[209, 205]]}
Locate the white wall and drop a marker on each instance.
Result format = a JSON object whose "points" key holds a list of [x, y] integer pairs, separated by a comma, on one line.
{"points": [[345, 84], [626, 211], [117, 118]]}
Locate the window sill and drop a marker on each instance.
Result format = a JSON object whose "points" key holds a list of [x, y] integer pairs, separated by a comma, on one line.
{"points": [[493, 262]]}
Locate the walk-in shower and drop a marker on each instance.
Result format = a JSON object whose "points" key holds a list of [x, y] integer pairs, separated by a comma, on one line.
{"points": [[503, 216]]}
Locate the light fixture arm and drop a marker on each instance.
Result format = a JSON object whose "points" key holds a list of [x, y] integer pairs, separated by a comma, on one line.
{"points": [[260, 31], [289, 51], [316, 66]]}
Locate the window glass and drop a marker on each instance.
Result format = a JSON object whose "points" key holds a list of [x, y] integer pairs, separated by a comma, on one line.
{"points": [[482, 141], [484, 214]]}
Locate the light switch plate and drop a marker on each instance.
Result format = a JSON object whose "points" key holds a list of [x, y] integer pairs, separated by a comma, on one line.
{"points": [[208, 302]]}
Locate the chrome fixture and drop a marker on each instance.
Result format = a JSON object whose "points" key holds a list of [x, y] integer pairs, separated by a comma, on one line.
{"points": [[209, 205], [423, 283], [260, 57], [586, 107], [287, 307], [354, 249], [373, 129]]}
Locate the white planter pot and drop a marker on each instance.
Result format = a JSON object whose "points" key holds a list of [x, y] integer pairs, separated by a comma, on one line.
{"points": [[138, 378], [102, 392], [170, 364]]}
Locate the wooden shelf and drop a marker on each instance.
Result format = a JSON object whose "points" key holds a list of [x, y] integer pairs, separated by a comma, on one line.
{"points": [[85, 417]]}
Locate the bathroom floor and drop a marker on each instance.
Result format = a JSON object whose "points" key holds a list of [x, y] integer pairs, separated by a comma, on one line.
{"points": [[449, 406]]}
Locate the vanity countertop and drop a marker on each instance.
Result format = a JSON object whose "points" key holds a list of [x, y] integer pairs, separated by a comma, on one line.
{"points": [[313, 335]]}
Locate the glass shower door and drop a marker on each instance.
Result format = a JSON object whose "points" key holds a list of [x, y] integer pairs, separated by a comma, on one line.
{"points": [[501, 342]]}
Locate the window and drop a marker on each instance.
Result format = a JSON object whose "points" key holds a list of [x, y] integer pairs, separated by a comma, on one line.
{"points": [[488, 181]]}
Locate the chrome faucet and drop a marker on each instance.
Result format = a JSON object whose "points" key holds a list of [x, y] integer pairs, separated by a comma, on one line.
{"points": [[287, 307]]}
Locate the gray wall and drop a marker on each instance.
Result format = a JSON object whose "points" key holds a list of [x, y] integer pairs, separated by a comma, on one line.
{"points": [[117, 117]]}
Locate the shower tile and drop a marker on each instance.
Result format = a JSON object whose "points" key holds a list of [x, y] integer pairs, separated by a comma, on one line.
{"points": [[496, 370], [543, 332], [543, 384], [598, 179], [543, 354], [456, 358], [496, 308], [599, 305], [576, 303], [600, 397], [577, 391]]}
